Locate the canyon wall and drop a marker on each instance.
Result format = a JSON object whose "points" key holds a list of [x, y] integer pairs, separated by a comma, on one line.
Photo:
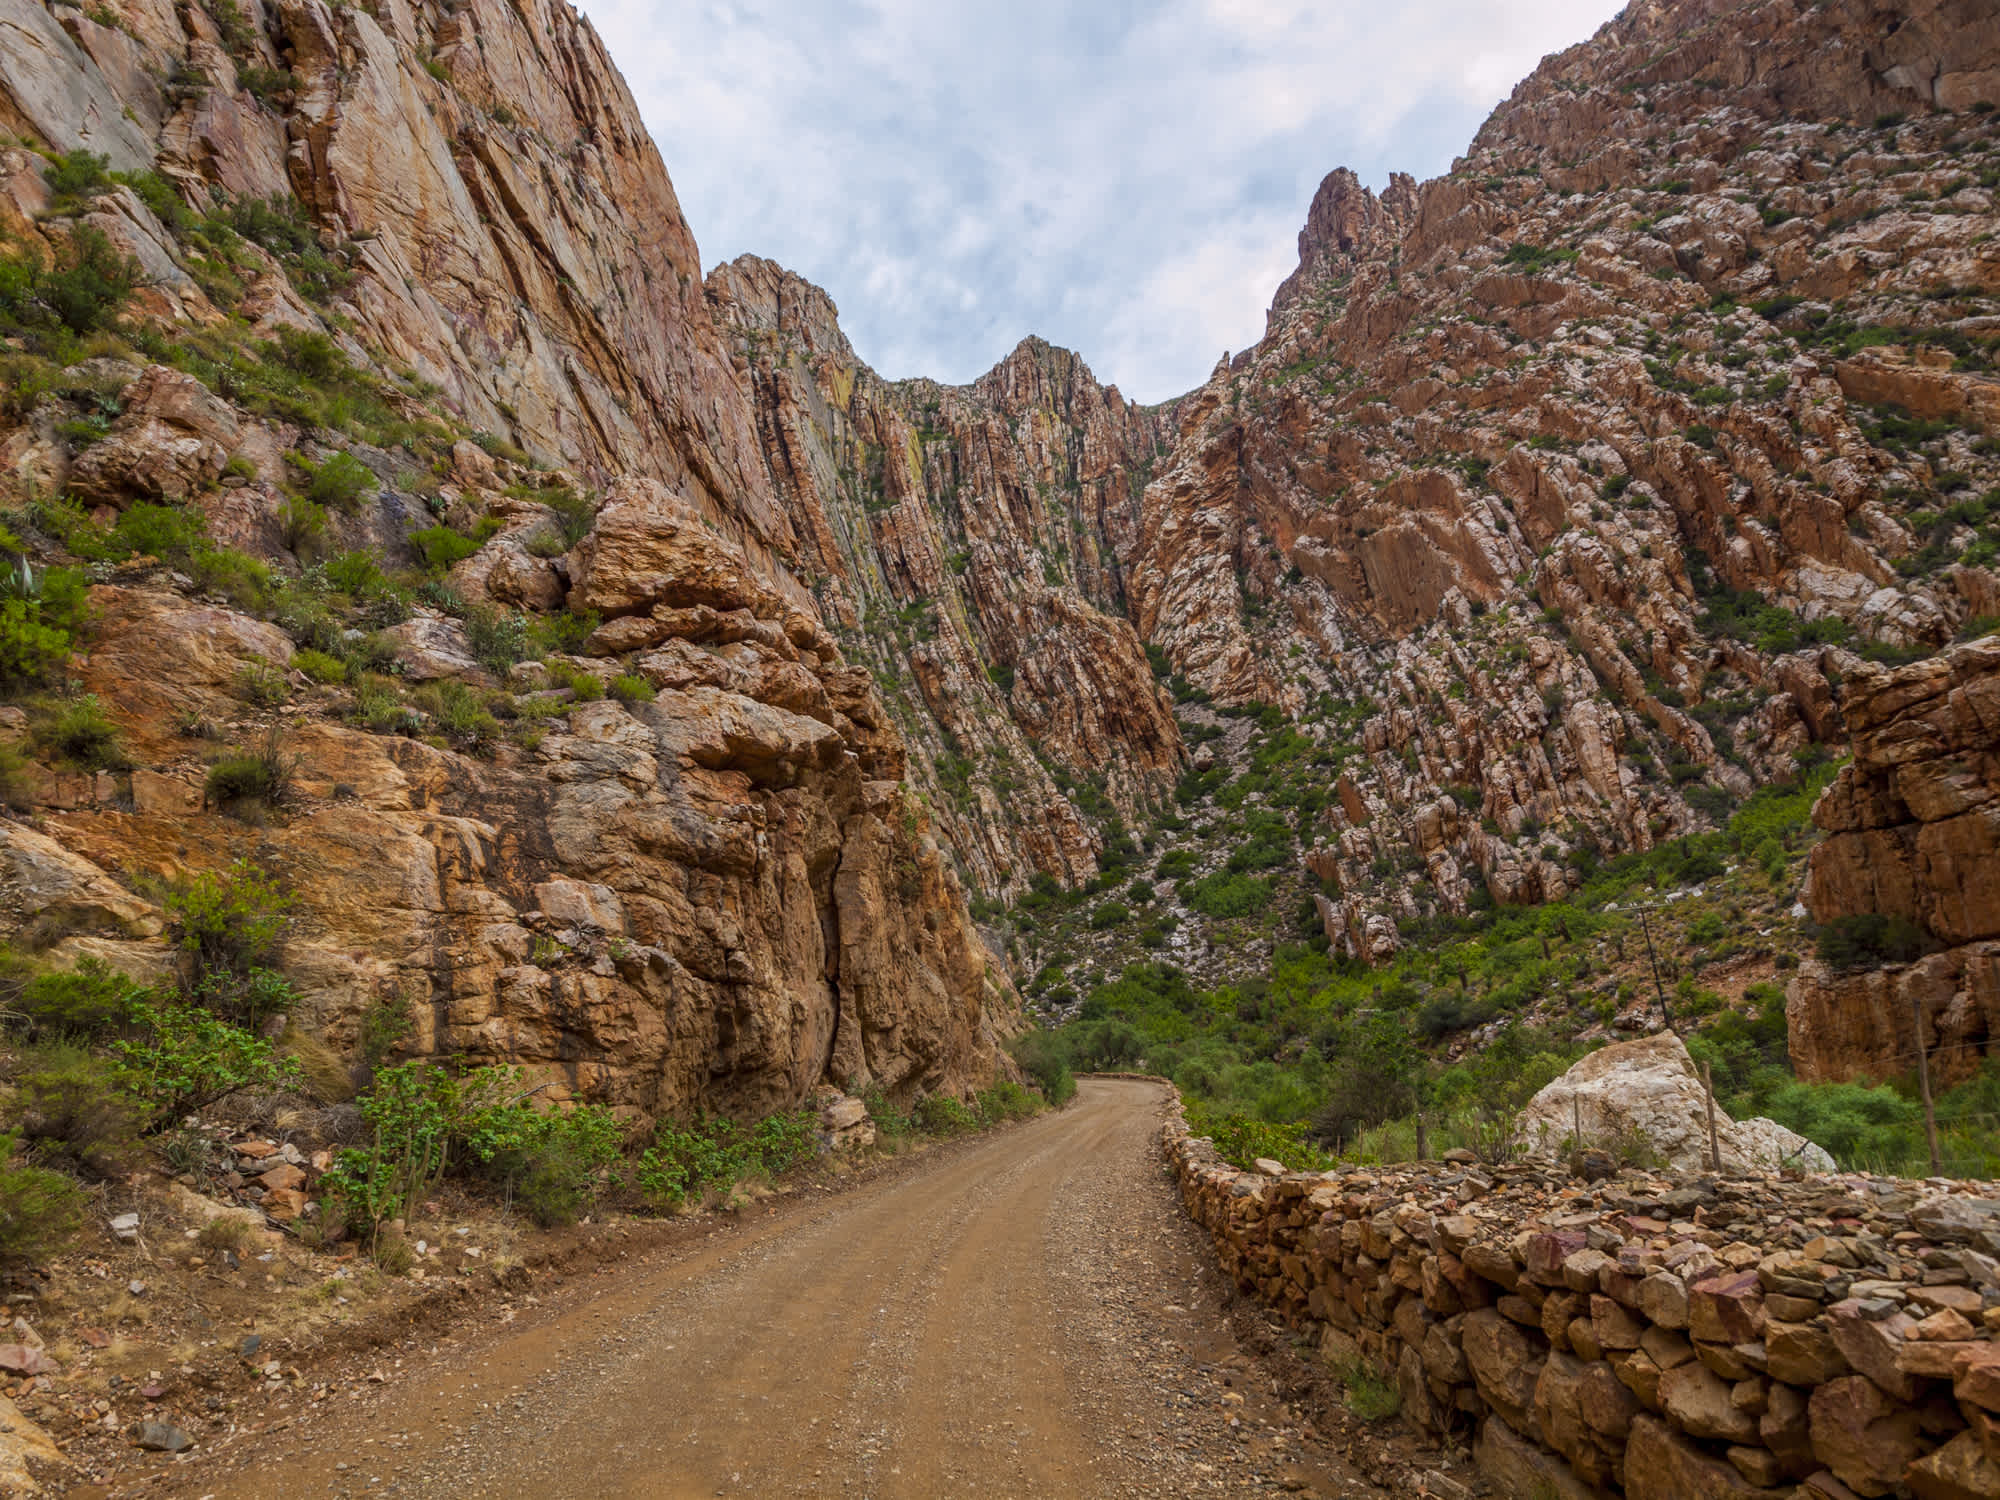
{"points": [[1565, 486], [970, 544], [1912, 830], [435, 242]]}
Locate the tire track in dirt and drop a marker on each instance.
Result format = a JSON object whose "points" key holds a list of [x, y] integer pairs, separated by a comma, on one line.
{"points": [[1030, 1316]]}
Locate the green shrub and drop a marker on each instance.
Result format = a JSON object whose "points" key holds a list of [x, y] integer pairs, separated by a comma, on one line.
{"points": [[40, 1210], [186, 1060], [1369, 1396], [940, 1114], [629, 687], [319, 666], [414, 1111], [440, 547], [1109, 914], [228, 923], [683, 1161], [498, 638], [1005, 1101], [586, 687], [552, 1162], [75, 177], [262, 776], [457, 711], [31, 653], [77, 733], [69, 1109], [1870, 940], [302, 525], [88, 284], [1242, 1141], [1041, 1056], [1225, 895], [90, 1001], [163, 531], [340, 482]]}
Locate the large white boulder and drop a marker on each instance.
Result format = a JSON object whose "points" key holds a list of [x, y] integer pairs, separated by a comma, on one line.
{"points": [[1649, 1091]]}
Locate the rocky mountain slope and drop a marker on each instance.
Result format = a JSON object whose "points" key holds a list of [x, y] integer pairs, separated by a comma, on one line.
{"points": [[1565, 488], [697, 671], [969, 543], [362, 371]]}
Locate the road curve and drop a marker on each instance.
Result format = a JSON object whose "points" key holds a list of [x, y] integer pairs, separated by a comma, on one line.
{"points": [[1027, 1316]]}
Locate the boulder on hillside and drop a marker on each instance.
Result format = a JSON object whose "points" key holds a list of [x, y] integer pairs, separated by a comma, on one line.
{"points": [[1649, 1090]]}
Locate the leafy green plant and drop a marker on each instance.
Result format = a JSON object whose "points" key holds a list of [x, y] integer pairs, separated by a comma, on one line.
{"points": [[338, 482], [77, 732], [319, 666], [227, 923], [31, 652], [85, 1003], [40, 1210], [629, 687], [440, 547], [414, 1112], [1225, 895], [552, 1161], [69, 1109], [1042, 1058], [262, 775], [941, 1114], [1869, 940], [1369, 1396], [186, 1060]]}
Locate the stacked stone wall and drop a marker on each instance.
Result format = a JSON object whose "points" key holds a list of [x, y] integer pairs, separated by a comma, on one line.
{"points": [[1805, 1337]]}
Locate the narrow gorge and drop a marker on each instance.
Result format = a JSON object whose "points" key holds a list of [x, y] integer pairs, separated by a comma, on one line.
{"points": [[489, 707]]}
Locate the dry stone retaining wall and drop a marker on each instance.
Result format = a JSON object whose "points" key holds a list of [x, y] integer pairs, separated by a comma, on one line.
{"points": [[1810, 1337]]}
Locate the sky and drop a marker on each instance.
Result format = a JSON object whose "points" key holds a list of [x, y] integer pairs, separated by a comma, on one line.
{"points": [[1124, 179]]}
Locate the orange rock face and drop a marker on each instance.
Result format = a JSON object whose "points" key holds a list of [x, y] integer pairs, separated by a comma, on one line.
{"points": [[1913, 833]]}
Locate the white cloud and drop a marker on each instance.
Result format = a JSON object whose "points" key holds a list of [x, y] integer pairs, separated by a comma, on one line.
{"points": [[1122, 178]]}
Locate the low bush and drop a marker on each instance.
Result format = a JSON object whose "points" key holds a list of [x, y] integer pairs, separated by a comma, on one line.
{"points": [[1224, 895], [629, 687], [1870, 940], [40, 1210], [1242, 1141], [941, 1114], [185, 1060], [1006, 1101], [89, 1002], [1043, 1059], [228, 922], [70, 1112], [552, 1162], [263, 775], [77, 732]]}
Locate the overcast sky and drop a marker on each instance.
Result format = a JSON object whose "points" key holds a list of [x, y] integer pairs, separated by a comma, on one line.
{"points": [[1123, 178]]}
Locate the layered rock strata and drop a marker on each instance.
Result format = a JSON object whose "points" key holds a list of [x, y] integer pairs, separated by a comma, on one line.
{"points": [[362, 233], [1565, 485], [1912, 829], [969, 542]]}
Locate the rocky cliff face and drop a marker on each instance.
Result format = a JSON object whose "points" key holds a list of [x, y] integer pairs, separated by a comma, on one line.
{"points": [[970, 543], [1565, 485], [1913, 839], [364, 237]]}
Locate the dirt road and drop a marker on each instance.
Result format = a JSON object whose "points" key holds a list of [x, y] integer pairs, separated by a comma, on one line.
{"points": [[1026, 1316]]}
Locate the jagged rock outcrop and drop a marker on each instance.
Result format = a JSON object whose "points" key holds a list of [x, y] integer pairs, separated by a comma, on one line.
{"points": [[419, 269], [1564, 486], [969, 541], [1912, 835]]}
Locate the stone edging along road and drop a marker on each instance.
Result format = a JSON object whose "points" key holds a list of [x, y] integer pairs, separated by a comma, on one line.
{"points": [[1663, 1338]]}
